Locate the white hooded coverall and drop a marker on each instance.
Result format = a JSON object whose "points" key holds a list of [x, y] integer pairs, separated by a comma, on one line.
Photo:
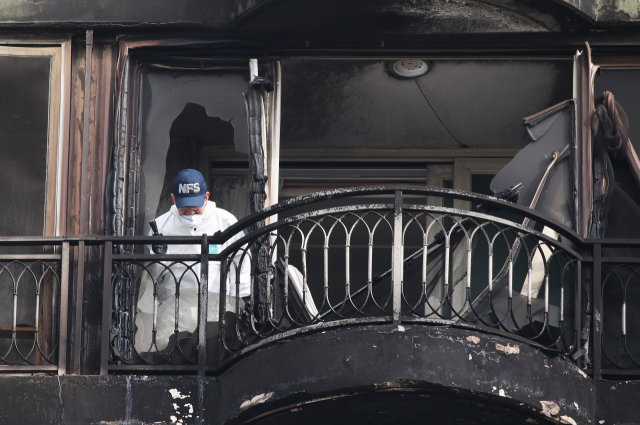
{"points": [[171, 224]]}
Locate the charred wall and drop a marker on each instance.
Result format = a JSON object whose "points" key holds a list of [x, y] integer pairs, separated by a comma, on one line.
{"points": [[292, 375], [374, 374], [409, 16], [131, 400], [378, 16]]}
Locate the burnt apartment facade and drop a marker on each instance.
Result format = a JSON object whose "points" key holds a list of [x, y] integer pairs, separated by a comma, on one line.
{"points": [[438, 209]]}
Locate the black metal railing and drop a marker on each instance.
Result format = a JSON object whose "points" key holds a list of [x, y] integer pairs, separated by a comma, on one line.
{"points": [[411, 263], [155, 306], [33, 294], [393, 260], [615, 292]]}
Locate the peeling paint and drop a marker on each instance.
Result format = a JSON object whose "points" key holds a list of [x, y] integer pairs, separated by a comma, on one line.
{"points": [[581, 372], [508, 349], [176, 394], [260, 398], [501, 393], [567, 420], [473, 339], [401, 328], [550, 407]]}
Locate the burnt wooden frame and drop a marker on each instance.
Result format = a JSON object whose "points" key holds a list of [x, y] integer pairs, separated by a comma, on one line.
{"points": [[58, 48]]}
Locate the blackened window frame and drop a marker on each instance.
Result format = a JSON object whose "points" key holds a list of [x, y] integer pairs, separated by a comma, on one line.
{"points": [[59, 50]]}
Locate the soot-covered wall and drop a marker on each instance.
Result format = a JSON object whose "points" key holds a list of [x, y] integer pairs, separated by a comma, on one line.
{"points": [[359, 103]]}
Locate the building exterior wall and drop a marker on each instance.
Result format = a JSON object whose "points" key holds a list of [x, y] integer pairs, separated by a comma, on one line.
{"points": [[284, 379]]}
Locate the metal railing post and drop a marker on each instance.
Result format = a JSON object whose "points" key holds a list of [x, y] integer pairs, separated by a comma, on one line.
{"points": [[597, 311], [577, 306], [222, 306], [397, 263], [203, 295], [77, 319], [107, 294], [64, 309]]}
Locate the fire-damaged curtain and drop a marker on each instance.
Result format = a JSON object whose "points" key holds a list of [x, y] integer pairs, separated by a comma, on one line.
{"points": [[261, 108], [230, 191], [121, 191]]}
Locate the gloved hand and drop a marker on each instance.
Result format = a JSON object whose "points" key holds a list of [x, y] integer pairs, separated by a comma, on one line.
{"points": [[157, 248]]}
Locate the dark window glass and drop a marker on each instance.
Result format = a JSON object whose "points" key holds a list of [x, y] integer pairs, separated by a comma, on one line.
{"points": [[24, 122]]}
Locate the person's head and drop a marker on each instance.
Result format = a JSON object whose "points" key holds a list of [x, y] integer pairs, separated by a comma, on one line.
{"points": [[189, 192]]}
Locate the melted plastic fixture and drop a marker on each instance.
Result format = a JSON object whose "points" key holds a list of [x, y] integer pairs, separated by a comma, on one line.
{"points": [[410, 68]]}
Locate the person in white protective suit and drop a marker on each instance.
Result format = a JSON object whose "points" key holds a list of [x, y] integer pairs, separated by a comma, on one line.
{"points": [[191, 215]]}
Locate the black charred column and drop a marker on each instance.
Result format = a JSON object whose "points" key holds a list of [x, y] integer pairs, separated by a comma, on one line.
{"points": [[258, 196]]}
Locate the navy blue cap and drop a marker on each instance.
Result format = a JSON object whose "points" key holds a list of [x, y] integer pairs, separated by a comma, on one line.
{"points": [[189, 189]]}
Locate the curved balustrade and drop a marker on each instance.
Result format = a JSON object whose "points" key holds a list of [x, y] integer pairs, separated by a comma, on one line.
{"points": [[400, 262]]}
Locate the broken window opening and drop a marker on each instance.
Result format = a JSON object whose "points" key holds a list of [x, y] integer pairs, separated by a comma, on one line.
{"points": [[188, 118]]}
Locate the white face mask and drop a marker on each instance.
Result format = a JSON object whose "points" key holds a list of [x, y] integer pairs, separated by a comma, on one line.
{"points": [[192, 220]]}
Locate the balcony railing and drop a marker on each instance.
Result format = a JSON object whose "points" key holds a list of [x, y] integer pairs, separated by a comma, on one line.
{"points": [[34, 276], [380, 256], [412, 263]]}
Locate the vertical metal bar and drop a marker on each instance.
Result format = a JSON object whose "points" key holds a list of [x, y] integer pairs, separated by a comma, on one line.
{"points": [[203, 296], [490, 267], [510, 279], [546, 294], [397, 263], [107, 294], [597, 311], [469, 264], [370, 266], [77, 319], [624, 315], [222, 306], [347, 268], [578, 304], [529, 284], [64, 306], [325, 273], [447, 268]]}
